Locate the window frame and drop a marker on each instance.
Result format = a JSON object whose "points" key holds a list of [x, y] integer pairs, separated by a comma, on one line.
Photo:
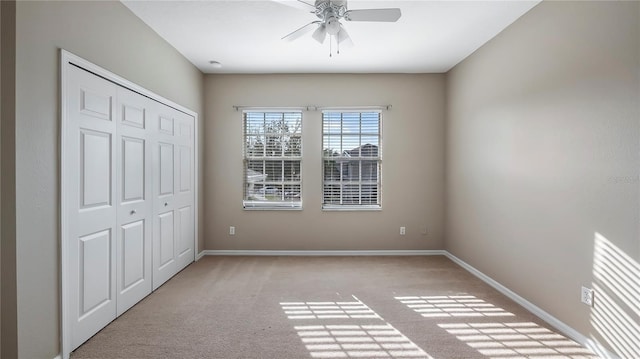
{"points": [[378, 159], [252, 204]]}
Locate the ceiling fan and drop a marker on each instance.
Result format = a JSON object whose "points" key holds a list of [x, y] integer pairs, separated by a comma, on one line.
{"points": [[329, 13]]}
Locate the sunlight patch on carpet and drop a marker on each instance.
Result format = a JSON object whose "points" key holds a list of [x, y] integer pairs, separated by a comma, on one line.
{"points": [[328, 310], [438, 306], [344, 330], [518, 340], [358, 341]]}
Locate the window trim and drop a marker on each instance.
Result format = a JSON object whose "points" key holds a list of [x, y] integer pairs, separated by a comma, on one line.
{"points": [[351, 208], [258, 205], [378, 159]]}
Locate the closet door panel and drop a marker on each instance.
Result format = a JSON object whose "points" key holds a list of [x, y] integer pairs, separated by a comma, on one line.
{"points": [[186, 172], [184, 198], [133, 254], [166, 170], [164, 236], [95, 168], [134, 269], [134, 166], [90, 197], [95, 272], [185, 234], [173, 245], [166, 240]]}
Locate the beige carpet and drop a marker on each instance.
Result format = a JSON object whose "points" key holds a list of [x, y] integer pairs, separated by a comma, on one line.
{"points": [[327, 307]]}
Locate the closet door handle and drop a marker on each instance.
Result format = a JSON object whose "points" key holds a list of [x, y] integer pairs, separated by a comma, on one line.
{"points": [[166, 204], [133, 211]]}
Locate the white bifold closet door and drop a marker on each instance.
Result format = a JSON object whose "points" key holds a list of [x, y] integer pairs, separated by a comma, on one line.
{"points": [[173, 181], [134, 198], [92, 203], [130, 199]]}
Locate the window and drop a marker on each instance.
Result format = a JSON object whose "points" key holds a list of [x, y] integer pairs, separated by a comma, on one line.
{"points": [[272, 159], [351, 156]]}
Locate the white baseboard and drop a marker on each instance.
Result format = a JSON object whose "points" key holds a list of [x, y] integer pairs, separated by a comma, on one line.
{"points": [[322, 253], [591, 344], [200, 255]]}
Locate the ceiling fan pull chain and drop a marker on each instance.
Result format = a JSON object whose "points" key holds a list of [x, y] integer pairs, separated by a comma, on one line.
{"points": [[330, 46]]}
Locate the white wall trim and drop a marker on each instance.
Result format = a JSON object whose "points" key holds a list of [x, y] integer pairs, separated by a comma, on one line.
{"points": [[436, 252], [199, 255], [65, 337], [591, 344]]}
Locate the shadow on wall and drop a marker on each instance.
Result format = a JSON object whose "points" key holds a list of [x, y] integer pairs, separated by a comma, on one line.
{"points": [[616, 311]]}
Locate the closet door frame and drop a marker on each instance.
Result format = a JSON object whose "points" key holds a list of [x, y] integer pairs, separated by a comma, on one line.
{"points": [[66, 59]]}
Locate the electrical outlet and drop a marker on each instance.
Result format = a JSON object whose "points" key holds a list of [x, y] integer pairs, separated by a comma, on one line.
{"points": [[586, 296], [403, 230], [232, 231]]}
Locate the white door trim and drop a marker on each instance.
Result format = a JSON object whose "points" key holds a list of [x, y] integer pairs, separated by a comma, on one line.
{"points": [[69, 58]]}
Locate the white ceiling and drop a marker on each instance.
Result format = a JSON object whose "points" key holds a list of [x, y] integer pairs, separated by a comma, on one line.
{"points": [[245, 36]]}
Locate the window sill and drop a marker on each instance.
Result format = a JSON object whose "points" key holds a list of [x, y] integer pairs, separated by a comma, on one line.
{"points": [[272, 207], [352, 208]]}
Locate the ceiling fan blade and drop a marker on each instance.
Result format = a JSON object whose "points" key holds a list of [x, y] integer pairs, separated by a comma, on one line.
{"points": [[298, 4], [299, 32], [320, 34], [344, 38], [384, 15]]}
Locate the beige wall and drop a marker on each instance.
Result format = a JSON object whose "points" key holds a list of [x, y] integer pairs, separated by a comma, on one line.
{"points": [[109, 35], [543, 160], [412, 165], [8, 337]]}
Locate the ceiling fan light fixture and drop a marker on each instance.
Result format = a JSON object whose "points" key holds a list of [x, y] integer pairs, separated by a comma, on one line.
{"points": [[333, 26], [343, 36], [320, 34]]}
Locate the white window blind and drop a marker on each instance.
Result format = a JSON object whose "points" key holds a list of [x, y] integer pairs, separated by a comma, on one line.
{"points": [[272, 159], [352, 159]]}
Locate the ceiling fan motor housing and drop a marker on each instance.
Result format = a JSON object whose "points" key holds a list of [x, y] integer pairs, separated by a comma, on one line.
{"points": [[327, 9]]}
